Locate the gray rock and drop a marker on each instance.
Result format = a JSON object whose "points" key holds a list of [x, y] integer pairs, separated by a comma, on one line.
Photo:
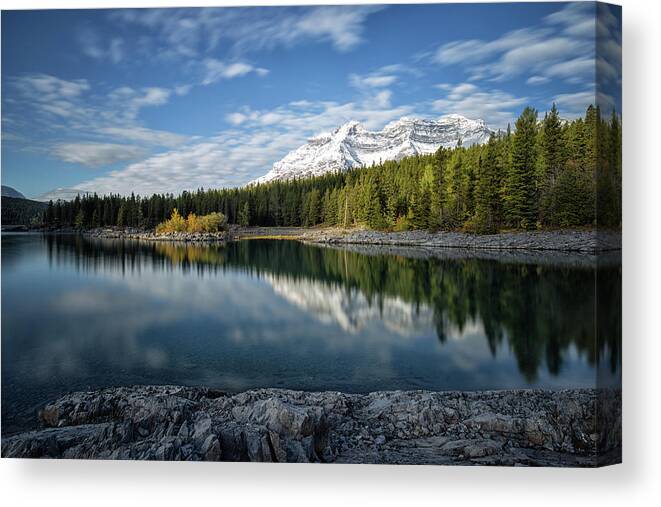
{"points": [[518, 427], [562, 240]]}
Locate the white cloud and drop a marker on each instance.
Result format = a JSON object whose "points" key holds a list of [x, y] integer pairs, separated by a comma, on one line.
{"points": [[315, 117], [496, 107], [217, 70], [371, 80], [461, 90], [382, 99], [537, 80], [93, 46], [341, 25], [145, 135], [79, 125], [194, 32], [151, 97], [572, 13], [539, 51], [476, 50], [182, 89], [576, 70], [574, 105], [45, 87], [126, 102], [96, 154], [225, 160]]}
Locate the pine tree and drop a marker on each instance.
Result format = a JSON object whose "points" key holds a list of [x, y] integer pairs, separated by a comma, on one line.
{"points": [[437, 195], [487, 195], [244, 215], [552, 162], [121, 216], [521, 207]]}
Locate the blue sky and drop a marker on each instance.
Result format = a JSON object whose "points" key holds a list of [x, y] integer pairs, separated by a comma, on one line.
{"points": [[162, 100]]}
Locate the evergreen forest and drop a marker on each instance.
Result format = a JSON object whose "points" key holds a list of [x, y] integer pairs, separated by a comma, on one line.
{"points": [[544, 173]]}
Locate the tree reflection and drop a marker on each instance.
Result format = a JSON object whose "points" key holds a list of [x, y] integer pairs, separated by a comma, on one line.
{"points": [[539, 310]]}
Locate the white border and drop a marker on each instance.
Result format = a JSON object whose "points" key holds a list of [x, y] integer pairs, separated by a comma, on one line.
{"points": [[636, 482]]}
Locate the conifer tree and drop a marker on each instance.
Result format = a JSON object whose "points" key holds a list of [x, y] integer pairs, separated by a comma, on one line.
{"points": [[521, 208], [244, 215], [487, 195]]}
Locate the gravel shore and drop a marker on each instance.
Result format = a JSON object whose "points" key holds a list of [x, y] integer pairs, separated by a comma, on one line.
{"points": [[186, 237], [568, 240], [563, 240]]}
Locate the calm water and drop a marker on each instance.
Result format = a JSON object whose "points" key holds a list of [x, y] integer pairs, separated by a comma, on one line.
{"points": [[79, 313]]}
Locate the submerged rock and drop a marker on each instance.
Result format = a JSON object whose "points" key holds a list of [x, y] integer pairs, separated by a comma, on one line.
{"points": [[580, 427]]}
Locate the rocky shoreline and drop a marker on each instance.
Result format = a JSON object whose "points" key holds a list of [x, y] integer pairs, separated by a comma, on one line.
{"points": [[584, 241], [568, 240], [140, 234], [578, 427]]}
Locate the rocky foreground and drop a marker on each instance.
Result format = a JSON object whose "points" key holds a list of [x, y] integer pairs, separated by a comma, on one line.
{"points": [[525, 427]]}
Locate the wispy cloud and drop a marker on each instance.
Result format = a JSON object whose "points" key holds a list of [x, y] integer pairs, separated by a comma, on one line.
{"points": [[190, 33], [93, 45], [79, 125], [97, 154], [127, 101], [217, 70], [372, 80], [542, 52], [145, 135], [496, 107], [574, 105], [225, 160]]}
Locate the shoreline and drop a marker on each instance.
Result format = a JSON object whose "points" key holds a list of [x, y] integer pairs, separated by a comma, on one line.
{"points": [[509, 427], [184, 237], [582, 241], [566, 240]]}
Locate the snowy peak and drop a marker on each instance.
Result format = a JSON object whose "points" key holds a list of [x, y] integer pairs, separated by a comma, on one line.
{"points": [[352, 145]]}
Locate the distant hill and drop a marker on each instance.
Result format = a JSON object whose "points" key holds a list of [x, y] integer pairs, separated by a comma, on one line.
{"points": [[17, 211], [11, 192]]}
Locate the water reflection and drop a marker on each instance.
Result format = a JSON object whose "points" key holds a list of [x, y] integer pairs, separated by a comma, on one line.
{"points": [[79, 312], [539, 310]]}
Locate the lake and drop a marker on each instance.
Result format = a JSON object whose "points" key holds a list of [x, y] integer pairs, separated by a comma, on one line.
{"points": [[81, 313]]}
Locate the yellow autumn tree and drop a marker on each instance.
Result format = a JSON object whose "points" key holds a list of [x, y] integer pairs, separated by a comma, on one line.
{"points": [[213, 222], [176, 223]]}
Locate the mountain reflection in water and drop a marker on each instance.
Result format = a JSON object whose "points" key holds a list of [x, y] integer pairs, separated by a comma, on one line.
{"points": [[86, 313]]}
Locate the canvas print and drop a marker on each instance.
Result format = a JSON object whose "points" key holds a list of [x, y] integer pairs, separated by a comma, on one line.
{"points": [[332, 234]]}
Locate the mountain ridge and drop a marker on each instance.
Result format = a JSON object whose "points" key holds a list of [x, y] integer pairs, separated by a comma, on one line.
{"points": [[352, 145]]}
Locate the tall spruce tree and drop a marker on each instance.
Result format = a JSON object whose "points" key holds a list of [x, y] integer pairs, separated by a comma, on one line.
{"points": [[552, 163], [487, 194], [520, 198]]}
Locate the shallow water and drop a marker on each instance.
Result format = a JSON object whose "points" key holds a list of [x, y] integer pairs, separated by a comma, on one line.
{"points": [[81, 313]]}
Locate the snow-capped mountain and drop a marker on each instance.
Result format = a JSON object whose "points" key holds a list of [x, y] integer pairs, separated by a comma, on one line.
{"points": [[352, 145]]}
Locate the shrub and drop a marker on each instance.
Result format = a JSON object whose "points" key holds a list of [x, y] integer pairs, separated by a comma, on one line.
{"points": [[176, 223], [212, 222]]}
